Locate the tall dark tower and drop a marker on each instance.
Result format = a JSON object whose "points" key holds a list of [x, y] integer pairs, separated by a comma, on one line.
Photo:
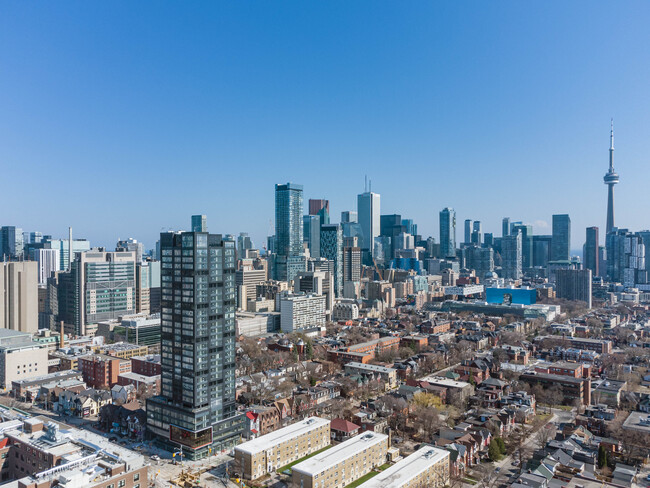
{"points": [[611, 178]]}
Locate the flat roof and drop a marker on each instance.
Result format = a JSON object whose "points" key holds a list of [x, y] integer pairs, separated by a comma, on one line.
{"points": [[281, 435], [370, 367], [448, 382], [327, 459], [408, 468]]}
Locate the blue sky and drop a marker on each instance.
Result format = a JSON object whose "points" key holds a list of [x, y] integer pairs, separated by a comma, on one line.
{"points": [[124, 118]]}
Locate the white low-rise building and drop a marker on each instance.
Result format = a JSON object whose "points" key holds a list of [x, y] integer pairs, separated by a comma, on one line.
{"points": [[300, 311]]}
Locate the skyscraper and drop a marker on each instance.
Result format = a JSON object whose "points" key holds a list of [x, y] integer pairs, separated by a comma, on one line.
{"points": [[574, 284], [368, 211], [199, 223], [348, 216], [591, 251], [561, 244], [288, 219], [526, 231], [11, 242], [19, 296], [311, 234], [511, 256], [610, 179], [626, 257], [477, 232], [331, 247], [448, 232], [505, 226], [196, 409], [468, 232], [316, 205]]}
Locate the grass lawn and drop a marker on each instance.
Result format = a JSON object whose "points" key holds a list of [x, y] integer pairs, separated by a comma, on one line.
{"points": [[290, 465], [363, 479]]}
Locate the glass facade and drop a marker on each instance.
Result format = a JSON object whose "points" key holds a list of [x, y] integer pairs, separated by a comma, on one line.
{"points": [[288, 219], [448, 233], [561, 245], [331, 241], [197, 406]]}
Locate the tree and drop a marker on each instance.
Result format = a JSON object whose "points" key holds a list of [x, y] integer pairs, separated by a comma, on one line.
{"points": [[545, 435], [309, 349], [494, 452], [427, 419], [425, 399], [602, 456], [502, 445]]}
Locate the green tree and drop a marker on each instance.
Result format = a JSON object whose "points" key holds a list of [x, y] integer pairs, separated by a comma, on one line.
{"points": [[602, 456], [309, 350], [494, 451], [502, 445]]}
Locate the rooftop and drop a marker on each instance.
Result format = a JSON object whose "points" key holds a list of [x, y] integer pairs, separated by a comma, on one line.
{"points": [[408, 468], [332, 457], [281, 435], [447, 382], [370, 367]]}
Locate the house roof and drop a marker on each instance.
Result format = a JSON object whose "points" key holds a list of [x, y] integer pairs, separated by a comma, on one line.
{"points": [[343, 426]]}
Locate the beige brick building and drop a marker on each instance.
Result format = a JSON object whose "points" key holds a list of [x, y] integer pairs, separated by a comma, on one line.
{"points": [[342, 464], [428, 467], [279, 448]]}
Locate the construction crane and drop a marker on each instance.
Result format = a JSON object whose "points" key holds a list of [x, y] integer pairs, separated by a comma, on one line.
{"points": [[377, 269]]}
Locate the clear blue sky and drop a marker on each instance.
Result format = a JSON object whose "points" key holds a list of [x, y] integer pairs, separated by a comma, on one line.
{"points": [[123, 118]]}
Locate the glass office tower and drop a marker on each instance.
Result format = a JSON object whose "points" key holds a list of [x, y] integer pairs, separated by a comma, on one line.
{"points": [[196, 410]]}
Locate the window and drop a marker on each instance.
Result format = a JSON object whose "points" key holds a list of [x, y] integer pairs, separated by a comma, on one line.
{"points": [[121, 483], [136, 477]]}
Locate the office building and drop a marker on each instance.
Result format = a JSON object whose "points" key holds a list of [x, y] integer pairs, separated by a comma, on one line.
{"points": [[574, 284], [11, 243], [626, 260], [100, 286], [63, 246], [505, 227], [368, 211], [351, 264], [342, 464], [526, 231], [590, 252], [349, 217], [511, 256], [197, 408], [20, 357], [448, 233], [477, 233], [426, 467], [311, 234], [269, 452], [147, 280], [301, 311], [331, 248], [410, 227], [131, 245], [315, 206], [610, 179], [246, 281], [48, 263], [244, 244], [316, 283], [199, 223], [541, 250], [561, 244], [480, 259], [288, 219], [19, 296], [468, 232]]}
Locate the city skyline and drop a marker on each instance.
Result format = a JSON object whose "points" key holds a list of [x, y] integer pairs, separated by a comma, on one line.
{"points": [[508, 118]]}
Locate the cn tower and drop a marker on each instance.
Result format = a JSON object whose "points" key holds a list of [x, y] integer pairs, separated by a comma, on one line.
{"points": [[611, 178]]}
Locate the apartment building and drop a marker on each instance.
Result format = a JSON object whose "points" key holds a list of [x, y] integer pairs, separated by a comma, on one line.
{"points": [[388, 375], [428, 466], [342, 464], [271, 451], [102, 371]]}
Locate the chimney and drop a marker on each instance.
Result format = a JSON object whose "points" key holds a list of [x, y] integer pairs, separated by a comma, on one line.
{"points": [[61, 339]]}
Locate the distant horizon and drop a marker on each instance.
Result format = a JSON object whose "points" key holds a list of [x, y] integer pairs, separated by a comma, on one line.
{"points": [[122, 119]]}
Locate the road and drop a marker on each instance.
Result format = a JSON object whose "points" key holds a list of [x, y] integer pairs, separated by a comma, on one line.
{"points": [[558, 417]]}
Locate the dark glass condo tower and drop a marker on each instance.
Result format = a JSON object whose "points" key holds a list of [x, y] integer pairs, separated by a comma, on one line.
{"points": [[196, 408]]}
